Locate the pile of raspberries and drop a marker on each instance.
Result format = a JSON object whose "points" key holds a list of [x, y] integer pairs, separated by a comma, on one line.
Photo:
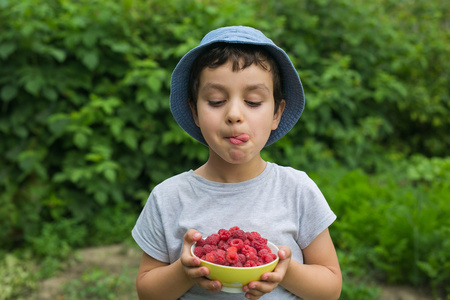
{"points": [[234, 248]]}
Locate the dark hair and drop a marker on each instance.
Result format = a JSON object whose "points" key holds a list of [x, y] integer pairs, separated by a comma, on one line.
{"points": [[241, 56]]}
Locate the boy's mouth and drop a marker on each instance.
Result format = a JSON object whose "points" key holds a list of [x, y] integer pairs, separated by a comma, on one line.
{"points": [[239, 139]]}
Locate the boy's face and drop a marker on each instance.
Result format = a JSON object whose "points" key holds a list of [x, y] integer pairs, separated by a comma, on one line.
{"points": [[235, 111]]}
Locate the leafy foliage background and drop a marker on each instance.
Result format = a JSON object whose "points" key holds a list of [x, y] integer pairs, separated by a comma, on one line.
{"points": [[86, 130]]}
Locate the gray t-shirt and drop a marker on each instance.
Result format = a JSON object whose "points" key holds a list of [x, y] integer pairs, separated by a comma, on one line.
{"points": [[283, 204]]}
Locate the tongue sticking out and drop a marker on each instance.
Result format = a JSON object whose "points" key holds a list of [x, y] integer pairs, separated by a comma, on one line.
{"points": [[237, 140]]}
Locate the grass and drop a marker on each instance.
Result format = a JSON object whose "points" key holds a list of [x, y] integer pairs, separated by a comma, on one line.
{"points": [[96, 283]]}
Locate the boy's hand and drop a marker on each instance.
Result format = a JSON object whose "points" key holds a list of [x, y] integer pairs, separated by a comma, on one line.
{"points": [[191, 264], [269, 281]]}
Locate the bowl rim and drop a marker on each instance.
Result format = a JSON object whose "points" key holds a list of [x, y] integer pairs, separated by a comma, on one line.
{"points": [[239, 268]]}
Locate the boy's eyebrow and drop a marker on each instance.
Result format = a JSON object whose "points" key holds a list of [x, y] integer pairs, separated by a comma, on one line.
{"points": [[252, 87], [259, 86], [213, 86]]}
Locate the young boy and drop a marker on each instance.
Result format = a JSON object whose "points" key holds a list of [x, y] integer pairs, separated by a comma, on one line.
{"points": [[236, 93]]}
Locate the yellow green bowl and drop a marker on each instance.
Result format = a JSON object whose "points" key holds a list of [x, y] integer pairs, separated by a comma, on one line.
{"points": [[234, 278]]}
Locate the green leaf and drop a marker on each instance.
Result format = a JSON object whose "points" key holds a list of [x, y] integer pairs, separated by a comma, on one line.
{"points": [[80, 140], [50, 93], [6, 49], [149, 146], [34, 84], [57, 123], [151, 104], [120, 47], [90, 38], [94, 157], [101, 197], [90, 60], [116, 126], [154, 83], [58, 54], [130, 139], [9, 92], [110, 174]]}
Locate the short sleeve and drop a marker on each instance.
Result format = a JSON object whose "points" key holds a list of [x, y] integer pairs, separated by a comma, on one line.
{"points": [[148, 231], [316, 214]]}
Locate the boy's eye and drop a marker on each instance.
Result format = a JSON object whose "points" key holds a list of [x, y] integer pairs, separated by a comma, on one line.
{"points": [[215, 103], [253, 103]]}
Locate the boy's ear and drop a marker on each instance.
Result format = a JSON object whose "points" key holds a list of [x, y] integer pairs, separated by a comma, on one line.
{"points": [[277, 115], [194, 112]]}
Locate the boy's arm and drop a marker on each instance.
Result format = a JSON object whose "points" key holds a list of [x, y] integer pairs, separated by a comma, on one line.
{"points": [[159, 280], [320, 275], [318, 278]]}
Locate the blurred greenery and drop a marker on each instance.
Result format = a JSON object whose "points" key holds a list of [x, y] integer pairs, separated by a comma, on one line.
{"points": [[86, 130], [97, 284]]}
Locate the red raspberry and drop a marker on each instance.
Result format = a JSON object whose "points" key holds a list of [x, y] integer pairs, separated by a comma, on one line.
{"points": [[198, 251], [242, 258], [239, 234], [233, 229], [263, 252], [219, 257], [210, 256], [268, 258], [256, 235], [209, 248], [232, 257], [235, 247], [201, 243], [213, 239], [251, 256], [248, 249], [250, 263], [224, 234], [258, 245], [239, 244], [232, 249], [223, 245]]}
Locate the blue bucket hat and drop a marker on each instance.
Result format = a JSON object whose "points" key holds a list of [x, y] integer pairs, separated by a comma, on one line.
{"points": [[291, 84]]}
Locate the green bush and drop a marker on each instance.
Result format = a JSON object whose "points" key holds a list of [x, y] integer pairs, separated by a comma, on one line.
{"points": [[392, 226], [86, 130], [17, 277], [85, 116], [375, 75]]}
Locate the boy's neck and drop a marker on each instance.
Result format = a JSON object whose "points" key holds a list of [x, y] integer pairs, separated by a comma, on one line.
{"points": [[221, 171]]}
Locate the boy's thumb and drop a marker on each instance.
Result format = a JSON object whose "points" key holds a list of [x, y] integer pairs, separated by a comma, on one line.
{"points": [[284, 252], [192, 236]]}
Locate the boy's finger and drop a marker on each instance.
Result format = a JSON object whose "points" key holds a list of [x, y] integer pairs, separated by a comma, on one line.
{"points": [[190, 261], [284, 252], [277, 275], [285, 257], [197, 272], [209, 285], [189, 239], [192, 236]]}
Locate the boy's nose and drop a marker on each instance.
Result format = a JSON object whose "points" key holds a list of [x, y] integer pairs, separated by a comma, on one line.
{"points": [[234, 114]]}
